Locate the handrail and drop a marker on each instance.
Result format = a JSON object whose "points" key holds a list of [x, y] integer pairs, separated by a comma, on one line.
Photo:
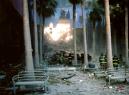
{"points": [[117, 74], [30, 78], [30, 75]]}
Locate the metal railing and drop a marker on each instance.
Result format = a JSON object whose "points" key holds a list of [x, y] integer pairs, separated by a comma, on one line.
{"points": [[117, 74], [36, 77]]}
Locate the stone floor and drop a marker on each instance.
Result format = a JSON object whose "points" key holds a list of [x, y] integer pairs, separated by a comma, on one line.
{"points": [[81, 84]]}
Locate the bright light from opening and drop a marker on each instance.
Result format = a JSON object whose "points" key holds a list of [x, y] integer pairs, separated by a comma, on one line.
{"points": [[51, 25], [62, 32]]}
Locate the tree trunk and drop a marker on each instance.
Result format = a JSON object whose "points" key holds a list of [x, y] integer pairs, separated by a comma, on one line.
{"points": [[94, 43], [104, 45], [27, 38], [85, 40], [40, 43], [115, 43], [100, 39], [108, 34], [36, 51], [126, 35], [74, 34], [43, 39]]}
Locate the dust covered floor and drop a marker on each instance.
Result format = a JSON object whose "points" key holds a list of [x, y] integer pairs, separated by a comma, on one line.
{"points": [[79, 83]]}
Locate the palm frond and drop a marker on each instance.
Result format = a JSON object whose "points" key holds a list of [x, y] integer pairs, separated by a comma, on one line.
{"points": [[46, 8], [74, 2]]}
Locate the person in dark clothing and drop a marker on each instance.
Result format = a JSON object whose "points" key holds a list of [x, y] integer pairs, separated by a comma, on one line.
{"points": [[103, 61], [115, 61]]}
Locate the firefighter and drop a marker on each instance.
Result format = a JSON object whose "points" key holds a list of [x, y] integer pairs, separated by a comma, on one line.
{"points": [[103, 61], [121, 60], [115, 61]]}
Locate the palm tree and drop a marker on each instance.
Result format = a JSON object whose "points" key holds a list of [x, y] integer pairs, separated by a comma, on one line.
{"points": [[108, 32], [84, 34], [117, 14], [126, 31], [95, 17], [45, 8], [36, 51], [74, 3], [27, 38]]}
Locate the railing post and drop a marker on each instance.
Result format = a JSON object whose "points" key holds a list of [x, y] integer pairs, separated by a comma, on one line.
{"points": [[14, 89]]}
